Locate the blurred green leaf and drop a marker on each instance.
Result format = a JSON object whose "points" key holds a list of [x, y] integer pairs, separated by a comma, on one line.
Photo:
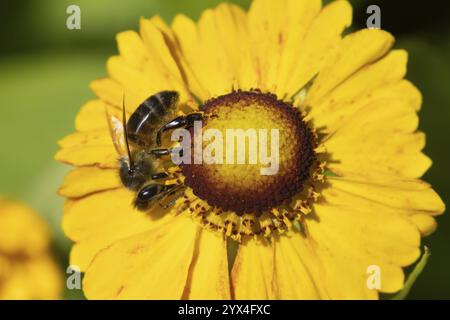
{"points": [[41, 95]]}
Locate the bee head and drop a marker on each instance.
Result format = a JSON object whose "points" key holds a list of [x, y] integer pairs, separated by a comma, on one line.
{"points": [[134, 174]]}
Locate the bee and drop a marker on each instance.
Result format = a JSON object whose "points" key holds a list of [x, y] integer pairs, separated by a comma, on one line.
{"points": [[138, 143]]}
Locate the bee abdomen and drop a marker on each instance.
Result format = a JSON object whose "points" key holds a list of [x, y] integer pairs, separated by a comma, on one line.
{"points": [[148, 115]]}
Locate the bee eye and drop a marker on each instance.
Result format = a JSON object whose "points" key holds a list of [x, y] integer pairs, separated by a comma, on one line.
{"points": [[148, 192]]}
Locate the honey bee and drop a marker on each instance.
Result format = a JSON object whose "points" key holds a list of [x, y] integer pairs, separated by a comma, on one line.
{"points": [[138, 142]]}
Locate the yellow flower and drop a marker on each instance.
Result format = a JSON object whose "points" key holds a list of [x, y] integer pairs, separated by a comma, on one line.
{"points": [[348, 194], [27, 268]]}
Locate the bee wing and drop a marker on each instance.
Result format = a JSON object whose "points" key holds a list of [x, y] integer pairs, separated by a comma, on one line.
{"points": [[117, 132]]}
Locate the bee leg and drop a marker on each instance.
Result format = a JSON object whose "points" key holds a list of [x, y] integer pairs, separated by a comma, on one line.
{"points": [[160, 152], [176, 192], [147, 196], [178, 122], [168, 205], [165, 152], [160, 175]]}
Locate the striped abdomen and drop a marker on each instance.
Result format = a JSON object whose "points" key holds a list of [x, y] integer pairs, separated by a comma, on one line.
{"points": [[149, 116]]}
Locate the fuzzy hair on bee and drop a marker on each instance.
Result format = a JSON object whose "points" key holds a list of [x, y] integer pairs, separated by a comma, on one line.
{"points": [[135, 176]]}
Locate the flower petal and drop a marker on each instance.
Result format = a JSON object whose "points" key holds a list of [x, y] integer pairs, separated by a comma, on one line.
{"points": [[266, 18], [354, 52], [413, 198], [136, 85], [83, 181], [145, 65], [97, 137], [151, 265], [215, 50], [230, 26], [410, 196], [379, 139], [362, 219], [285, 38], [351, 234], [88, 149], [191, 82], [208, 278], [98, 220], [101, 156], [92, 117], [252, 277], [132, 49], [373, 82], [113, 92], [290, 265], [370, 118], [323, 35], [110, 91], [161, 65], [426, 223], [203, 52], [185, 31]]}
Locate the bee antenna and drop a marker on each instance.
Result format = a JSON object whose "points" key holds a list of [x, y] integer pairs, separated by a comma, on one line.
{"points": [[124, 120]]}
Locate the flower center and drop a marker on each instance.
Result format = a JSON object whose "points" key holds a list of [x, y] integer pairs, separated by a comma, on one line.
{"points": [[257, 153]]}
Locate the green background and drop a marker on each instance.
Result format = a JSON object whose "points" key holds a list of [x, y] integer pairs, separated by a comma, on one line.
{"points": [[45, 70]]}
